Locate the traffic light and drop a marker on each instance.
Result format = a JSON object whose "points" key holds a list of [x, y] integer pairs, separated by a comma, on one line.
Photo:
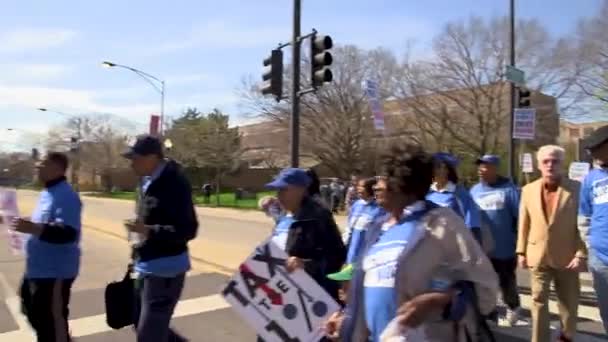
{"points": [[273, 75], [320, 60], [523, 98]]}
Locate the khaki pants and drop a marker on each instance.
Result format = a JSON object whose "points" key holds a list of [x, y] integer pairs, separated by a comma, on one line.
{"points": [[567, 288]]}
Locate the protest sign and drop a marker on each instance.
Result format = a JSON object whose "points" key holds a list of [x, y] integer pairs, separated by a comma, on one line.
{"points": [[280, 306], [578, 170], [10, 211], [371, 89]]}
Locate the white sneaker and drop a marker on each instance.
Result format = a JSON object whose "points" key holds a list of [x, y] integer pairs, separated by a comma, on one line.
{"points": [[512, 316]]}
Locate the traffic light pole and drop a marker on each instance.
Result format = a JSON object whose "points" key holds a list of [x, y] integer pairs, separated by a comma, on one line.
{"points": [[295, 89], [512, 160]]}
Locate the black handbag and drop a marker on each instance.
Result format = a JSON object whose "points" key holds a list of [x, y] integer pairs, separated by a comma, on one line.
{"points": [[120, 302]]}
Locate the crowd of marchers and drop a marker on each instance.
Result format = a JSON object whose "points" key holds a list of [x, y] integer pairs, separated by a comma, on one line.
{"points": [[421, 258]]}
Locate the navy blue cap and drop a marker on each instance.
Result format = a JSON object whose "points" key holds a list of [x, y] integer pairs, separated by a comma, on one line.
{"points": [[145, 145], [447, 158], [490, 159], [290, 176]]}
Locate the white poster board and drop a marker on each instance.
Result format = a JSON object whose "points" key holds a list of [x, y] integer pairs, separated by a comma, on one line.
{"points": [[280, 306], [578, 170], [527, 165], [9, 211], [524, 123]]}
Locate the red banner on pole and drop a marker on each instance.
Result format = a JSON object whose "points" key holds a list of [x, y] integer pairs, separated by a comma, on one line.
{"points": [[154, 124]]}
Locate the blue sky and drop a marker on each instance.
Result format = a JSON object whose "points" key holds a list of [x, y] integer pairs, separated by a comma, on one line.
{"points": [[50, 51]]}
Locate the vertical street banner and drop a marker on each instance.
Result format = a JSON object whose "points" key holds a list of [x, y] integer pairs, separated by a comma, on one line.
{"points": [[524, 123], [154, 124], [371, 89], [280, 306], [8, 212]]}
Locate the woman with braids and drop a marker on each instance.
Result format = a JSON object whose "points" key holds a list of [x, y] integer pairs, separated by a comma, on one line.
{"points": [[421, 270], [446, 192]]}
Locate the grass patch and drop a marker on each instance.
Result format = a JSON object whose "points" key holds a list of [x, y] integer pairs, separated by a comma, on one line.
{"points": [[226, 200]]}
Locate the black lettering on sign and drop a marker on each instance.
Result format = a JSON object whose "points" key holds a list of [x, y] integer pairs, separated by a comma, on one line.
{"points": [[274, 327], [251, 280], [264, 304], [282, 286], [266, 257], [232, 290]]}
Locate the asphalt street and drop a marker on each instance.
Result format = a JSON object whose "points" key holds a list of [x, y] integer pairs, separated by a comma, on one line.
{"points": [[226, 238]]}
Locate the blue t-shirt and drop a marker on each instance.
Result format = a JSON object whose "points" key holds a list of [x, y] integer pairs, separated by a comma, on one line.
{"points": [[457, 198], [57, 204], [362, 215], [380, 265], [281, 230], [499, 207], [593, 211], [170, 266]]}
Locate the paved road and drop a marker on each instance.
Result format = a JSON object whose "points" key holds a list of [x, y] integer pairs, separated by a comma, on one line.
{"points": [[225, 238]]}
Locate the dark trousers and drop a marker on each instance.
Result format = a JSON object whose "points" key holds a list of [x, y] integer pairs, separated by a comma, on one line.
{"points": [[45, 304], [505, 268], [155, 301]]}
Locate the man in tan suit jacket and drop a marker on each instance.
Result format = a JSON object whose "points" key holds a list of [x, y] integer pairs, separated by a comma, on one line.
{"points": [[550, 245]]}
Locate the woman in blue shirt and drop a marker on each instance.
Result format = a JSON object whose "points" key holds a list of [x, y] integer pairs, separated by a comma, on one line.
{"points": [[446, 192], [420, 268]]}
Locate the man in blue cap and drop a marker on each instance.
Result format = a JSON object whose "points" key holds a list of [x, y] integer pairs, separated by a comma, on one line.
{"points": [[498, 201], [165, 222]]}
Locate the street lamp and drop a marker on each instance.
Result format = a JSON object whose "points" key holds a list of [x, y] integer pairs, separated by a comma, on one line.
{"points": [[152, 80]]}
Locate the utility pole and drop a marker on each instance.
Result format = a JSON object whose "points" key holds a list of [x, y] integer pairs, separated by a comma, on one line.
{"points": [[295, 89], [512, 156]]}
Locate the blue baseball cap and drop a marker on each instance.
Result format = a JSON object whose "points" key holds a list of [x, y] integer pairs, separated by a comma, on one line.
{"points": [[448, 158], [290, 177], [490, 159], [145, 145]]}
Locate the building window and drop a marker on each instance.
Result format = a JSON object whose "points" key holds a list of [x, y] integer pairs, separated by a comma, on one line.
{"points": [[587, 131], [574, 133]]}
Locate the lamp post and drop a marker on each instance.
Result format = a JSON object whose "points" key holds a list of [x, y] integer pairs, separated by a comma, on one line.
{"points": [[152, 80]]}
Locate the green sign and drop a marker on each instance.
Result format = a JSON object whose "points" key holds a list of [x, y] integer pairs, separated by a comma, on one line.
{"points": [[515, 75]]}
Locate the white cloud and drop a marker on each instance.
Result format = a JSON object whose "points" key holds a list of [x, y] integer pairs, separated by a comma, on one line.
{"points": [[27, 39], [222, 34], [69, 101], [15, 72]]}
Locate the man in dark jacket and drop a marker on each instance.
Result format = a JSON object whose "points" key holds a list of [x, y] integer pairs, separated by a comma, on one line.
{"points": [[165, 222]]}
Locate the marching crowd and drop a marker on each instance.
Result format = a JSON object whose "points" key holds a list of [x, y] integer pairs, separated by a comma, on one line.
{"points": [[422, 258]]}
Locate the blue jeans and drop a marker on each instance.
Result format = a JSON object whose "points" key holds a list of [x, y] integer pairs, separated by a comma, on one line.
{"points": [[599, 271]]}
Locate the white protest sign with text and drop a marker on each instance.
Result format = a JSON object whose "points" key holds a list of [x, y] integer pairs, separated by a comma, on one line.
{"points": [[280, 306], [524, 123], [10, 211], [578, 170]]}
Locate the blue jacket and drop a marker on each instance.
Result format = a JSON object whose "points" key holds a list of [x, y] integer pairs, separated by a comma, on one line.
{"points": [[457, 198], [56, 252], [362, 215]]}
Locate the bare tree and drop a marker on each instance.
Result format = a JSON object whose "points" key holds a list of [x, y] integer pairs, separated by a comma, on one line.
{"points": [[100, 141], [458, 99], [592, 55], [336, 126]]}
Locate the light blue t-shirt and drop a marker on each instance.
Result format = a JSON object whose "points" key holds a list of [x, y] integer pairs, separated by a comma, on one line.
{"points": [[457, 198], [58, 204], [593, 211], [169, 266], [362, 216], [281, 230], [380, 266], [499, 207]]}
